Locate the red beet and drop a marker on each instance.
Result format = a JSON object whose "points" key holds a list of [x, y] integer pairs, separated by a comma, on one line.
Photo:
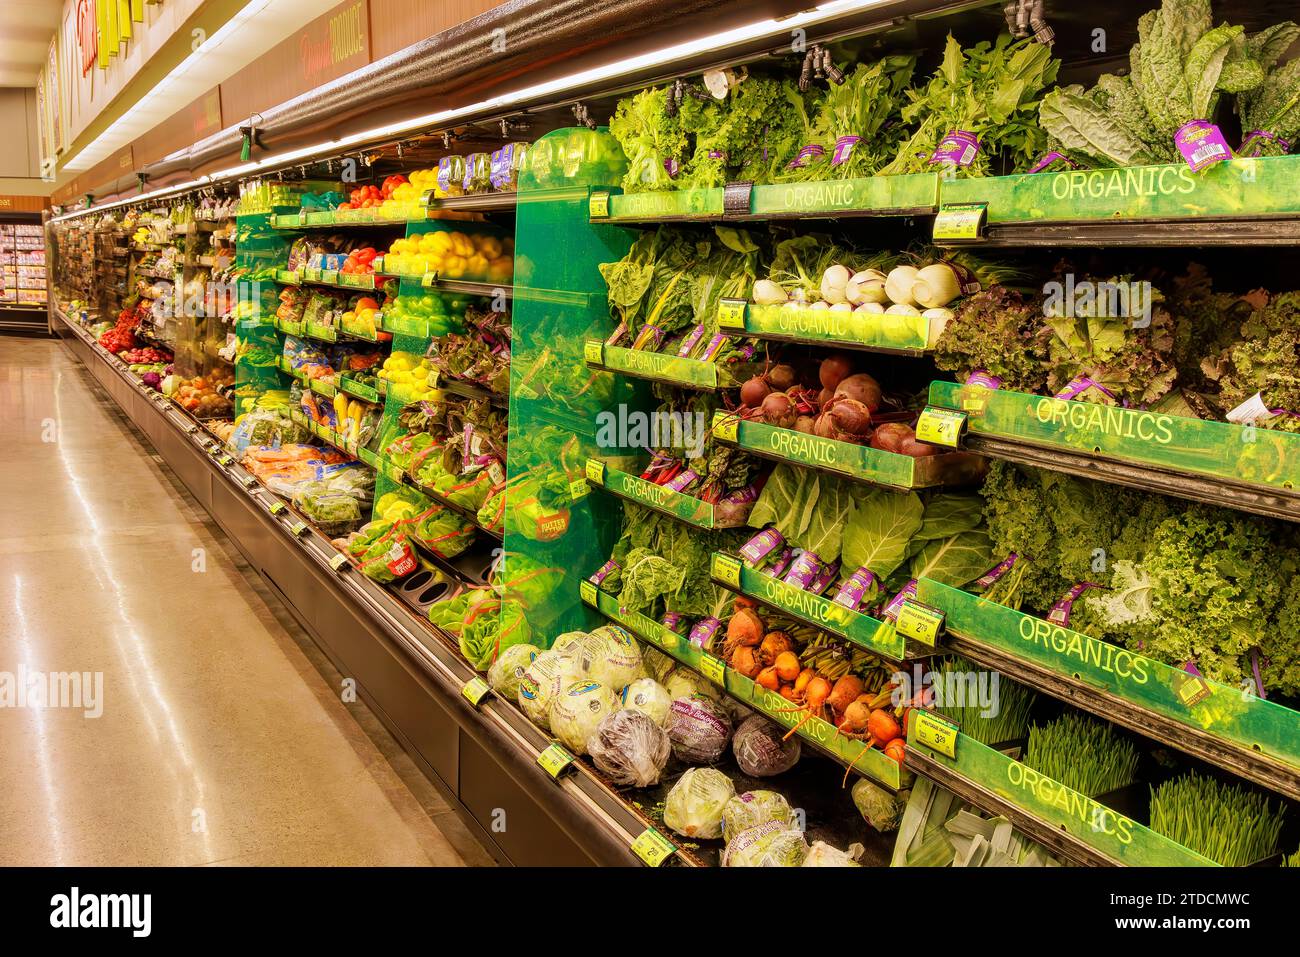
{"points": [[863, 388], [754, 391], [779, 409], [834, 369]]}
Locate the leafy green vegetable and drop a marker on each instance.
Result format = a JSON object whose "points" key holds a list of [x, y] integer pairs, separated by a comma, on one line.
{"points": [[880, 530], [955, 560], [649, 138], [1084, 754], [1002, 332], [1264, 359]]}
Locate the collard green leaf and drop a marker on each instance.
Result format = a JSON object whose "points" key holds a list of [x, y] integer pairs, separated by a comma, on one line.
{"points": [[878, 533], [956, 560], [1079, 123], [824, 534], [787, 501], [951, 513]]}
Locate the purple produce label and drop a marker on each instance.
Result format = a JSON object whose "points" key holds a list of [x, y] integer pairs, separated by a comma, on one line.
{"points": [[1054, 157], [782, 563], [957, 148], [803, 571], [672, 166], [701, 635], [1081, 384], [713, 348], [673, 621], [741, 496], [1249, 141], [1060, 613], [829, 572], [997, 571], [810, 151], [981, 378], [907, 591], [1202, 144], [680, 481], [444, 173], [854, 589], [689, 342], [761, 545], [717, 155], [603, 572], [843, 149], [502, 161]]}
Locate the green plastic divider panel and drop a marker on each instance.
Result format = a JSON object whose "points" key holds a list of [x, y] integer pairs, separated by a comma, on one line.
{"points": [[259, 350], [1243, 454], [1233, 189], [1241, 720], [855, 330], [683, 507], [870, 761], [870, 633], [881, 195], [1117, 837], [843, 458], [357, 389]]}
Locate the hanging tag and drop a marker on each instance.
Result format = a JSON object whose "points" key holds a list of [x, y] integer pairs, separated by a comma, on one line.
{"points": [[579, 489], [935, 733], [940, 426], [595, 471], [726, 426], [653, 848]]}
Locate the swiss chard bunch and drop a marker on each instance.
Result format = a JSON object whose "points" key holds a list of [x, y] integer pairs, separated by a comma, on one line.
{"points": [[990, 90]]}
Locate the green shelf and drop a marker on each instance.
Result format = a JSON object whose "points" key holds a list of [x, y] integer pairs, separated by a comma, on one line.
{"points": [[661, 367], [871, 762], [685, 508], [865, 331]]}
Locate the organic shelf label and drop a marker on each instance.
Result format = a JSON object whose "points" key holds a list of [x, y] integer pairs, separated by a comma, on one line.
{"points": [[652, 847], [940, 426], [919, 623], [935, 733], [957, 222], [593, 351], [595, 471], [476, 690], [554, 760]]}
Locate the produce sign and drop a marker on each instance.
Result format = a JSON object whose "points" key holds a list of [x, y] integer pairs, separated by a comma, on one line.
{"points": [[1234, 453], [870, 633], [664, 204], [1243, 721], [870, 195], [360, 390], [855, 461], [869, 331], [1236, 188], [1119, 839], [665, 367], [872, 762], [684, 508]]}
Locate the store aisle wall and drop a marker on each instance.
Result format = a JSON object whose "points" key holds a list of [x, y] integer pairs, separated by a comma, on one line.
{"points": [[217, 741]]}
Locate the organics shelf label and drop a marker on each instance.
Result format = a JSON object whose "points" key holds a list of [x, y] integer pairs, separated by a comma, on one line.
{"points": [[960, 222], [937, 734], [869, 194], [940, 426], [664, 367], [554, 760], [918, 622], [653, 848], [476, 690], [872, 331], [845, 458]]}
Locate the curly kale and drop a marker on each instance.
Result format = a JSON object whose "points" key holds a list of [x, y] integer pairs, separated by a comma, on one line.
{"points": [[1001, 332]]}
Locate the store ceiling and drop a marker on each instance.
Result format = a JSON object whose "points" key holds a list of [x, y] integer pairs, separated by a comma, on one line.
{"points": [[26, 27]]}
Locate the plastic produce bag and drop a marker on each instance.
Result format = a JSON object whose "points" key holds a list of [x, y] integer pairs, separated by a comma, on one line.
{"points": [[694, 806], [508, 670], [542, 681], [649, 697], [578, 710], [611, 656], [753, 808], [770, 844], [882, 809], [698, 728], [629, 748], [760, 750], [822, 854]]}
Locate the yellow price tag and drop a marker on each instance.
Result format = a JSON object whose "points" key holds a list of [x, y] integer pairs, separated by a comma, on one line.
{"points": [[940, 426], [919, 622], [653, 848], [248, 481], [731, 313], [224, 460], [298, 528], [338, 561], [726, 569], [554, 760], [934, 733], [598, 204], [579, 489], [475, 691], [428, 279], [593, 352], [960, 222], [726, 426], [595, 471], [713, 669], [276, 508], [588, 591], [1192, 690]]}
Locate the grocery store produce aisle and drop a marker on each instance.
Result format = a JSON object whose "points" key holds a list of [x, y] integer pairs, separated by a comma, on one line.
{"points": [[214, 739]]}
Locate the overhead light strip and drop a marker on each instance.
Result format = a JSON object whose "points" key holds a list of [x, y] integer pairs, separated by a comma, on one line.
{"points": [[657, 58]]}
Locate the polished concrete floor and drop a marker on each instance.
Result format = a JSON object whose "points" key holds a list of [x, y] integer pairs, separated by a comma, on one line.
{"points": [[220, 737]]}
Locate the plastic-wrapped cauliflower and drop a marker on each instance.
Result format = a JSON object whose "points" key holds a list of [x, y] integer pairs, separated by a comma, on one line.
{"points": [[648, 696], [629, 748], [542, 681], [509, 668], [578, 709], [694, 805]]}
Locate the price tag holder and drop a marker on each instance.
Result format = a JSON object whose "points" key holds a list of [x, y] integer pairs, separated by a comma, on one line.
{"points": [[588, 591], [191, 429], [960, 222], [595, 471], [329, 275], [731, 313], [726, 426], [653, 848], [736, 198], [275, 508], [428, 279], [339, 562], [726, 569], [940, 426], [593, 352], [713, 669], [919, 622], [298, 528], [1192, 690], [554, 760], [935, 733], [475, 691], [579, 489], [248, 481], [598, 204], [377, 264], [225, 460]]}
